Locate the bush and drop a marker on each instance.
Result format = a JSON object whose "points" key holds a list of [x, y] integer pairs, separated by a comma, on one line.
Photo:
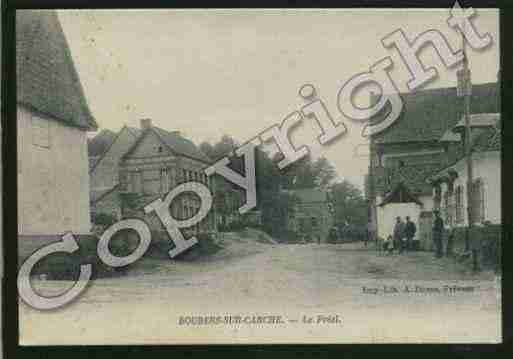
{"points": [[103, 219], [489, 239]]}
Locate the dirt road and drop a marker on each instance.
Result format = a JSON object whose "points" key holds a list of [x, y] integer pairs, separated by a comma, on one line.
{"points": [[321, 294]]}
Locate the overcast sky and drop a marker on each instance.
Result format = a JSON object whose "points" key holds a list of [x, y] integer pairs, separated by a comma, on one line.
{"points": [[209, 73]]}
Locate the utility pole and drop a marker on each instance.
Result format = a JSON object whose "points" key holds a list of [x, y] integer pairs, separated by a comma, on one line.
{"points": [[465, 90]]}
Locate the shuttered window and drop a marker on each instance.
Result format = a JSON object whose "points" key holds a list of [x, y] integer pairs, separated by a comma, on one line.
{"points": [[458, 197], [478, 214]]}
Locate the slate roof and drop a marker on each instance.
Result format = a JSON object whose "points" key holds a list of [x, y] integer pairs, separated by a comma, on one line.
{"points": [[97, 195], [413, 176], [489, 140], [477, 120], [47, 80], [427, 114], [97, 145], [400, 194]]}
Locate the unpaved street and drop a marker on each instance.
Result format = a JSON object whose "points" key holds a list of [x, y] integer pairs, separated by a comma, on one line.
{"points": [[377, 299]]}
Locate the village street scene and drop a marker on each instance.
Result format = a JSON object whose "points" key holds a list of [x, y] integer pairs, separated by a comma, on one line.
{"points": [[389, 238]]}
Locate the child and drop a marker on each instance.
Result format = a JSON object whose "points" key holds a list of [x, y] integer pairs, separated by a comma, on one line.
{"points": [[388, 245]]}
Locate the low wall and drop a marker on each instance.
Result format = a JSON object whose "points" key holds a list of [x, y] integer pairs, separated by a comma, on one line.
{"points": [[487, 239]]}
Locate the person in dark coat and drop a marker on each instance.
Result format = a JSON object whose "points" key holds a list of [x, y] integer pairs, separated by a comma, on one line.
{"points": [[399, 234], [438, 230], [409, 233]]}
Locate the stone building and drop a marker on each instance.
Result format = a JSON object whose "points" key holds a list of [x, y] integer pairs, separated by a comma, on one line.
{"points": [[52, 122], [413, 148], [312, 217], [148, 163]]}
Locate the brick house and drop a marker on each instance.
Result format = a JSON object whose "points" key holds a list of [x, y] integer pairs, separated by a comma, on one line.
{"points": [[149, 163], [311, 216], [413, 148], [53, 119]]}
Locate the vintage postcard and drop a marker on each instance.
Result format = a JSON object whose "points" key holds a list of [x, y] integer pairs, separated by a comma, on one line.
{"points": [[258, 176]]}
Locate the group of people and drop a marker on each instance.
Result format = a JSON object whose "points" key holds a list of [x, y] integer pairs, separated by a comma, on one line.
{"points": [[404, 232], [402, 237]]}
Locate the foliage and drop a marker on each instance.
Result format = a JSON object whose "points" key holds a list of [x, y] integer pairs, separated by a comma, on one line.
{"points": [[349, 204], [276, 205], [103, 219], [307, 174]]}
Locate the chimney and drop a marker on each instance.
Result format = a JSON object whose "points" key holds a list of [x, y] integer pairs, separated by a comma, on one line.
{"points": [[145, 123]]}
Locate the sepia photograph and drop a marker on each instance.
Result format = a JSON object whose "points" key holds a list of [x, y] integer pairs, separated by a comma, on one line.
{"points": [[259, 176]]}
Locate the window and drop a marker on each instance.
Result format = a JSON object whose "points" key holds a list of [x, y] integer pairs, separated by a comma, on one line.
{"points": [[478, 201], [190, 175], [458, 197], [401, 163], [184, 175], [40, 132], [165, 180], [134, 182]]}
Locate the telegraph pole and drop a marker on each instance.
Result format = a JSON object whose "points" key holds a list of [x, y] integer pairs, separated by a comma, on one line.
{"points": [[465, 90]]}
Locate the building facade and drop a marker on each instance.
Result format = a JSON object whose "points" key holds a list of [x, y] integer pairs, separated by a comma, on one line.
{"points": [[52, 123], [450, 183], [149, 163], [311, 217], [415, 147]]}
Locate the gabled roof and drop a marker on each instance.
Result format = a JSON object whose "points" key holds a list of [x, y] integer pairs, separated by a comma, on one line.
{"points": [[175, 142], [99, 195], [427, 114], [413, 176], [181, 145], [97, 145], [489, 140], [400, 194], [477, 120], [134, 131], [106, 140], [47, 80]]}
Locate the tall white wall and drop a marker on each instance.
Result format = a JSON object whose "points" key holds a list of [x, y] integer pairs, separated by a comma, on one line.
{"points": [[53, 181], [487, 167], [387, 214]]}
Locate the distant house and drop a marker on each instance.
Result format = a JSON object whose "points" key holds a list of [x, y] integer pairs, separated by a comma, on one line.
{"points": [[311, 217], [105, 152], [53, 119], [450, 182], [415, 147], [144, 164]]}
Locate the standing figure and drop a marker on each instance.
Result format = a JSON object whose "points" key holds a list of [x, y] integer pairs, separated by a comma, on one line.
{"points": [[409, 231], [450, 243], [399, 234], [438, 229]]}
